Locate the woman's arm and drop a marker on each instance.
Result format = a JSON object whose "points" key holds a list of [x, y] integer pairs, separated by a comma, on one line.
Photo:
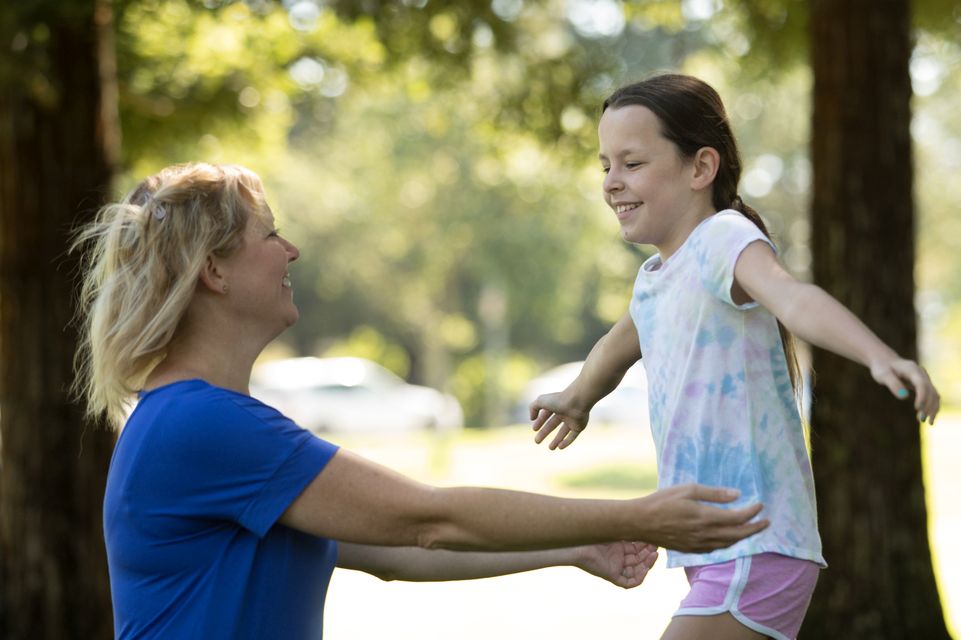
{"points": [[816, 317], [603, 370], [356, 500], [625, 564]]}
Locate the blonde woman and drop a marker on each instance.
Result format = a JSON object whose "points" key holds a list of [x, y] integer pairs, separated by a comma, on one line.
{"points": [[220, 514]]}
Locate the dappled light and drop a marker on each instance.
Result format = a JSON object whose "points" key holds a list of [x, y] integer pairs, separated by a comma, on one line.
{"points": [[436, 164]]}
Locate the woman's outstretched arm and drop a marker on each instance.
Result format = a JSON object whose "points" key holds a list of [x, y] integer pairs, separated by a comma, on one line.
{"points": [[624, 564], [355, 500]]}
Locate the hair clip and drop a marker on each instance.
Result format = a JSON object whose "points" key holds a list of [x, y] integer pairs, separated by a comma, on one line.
{"points": [[159, 212]]}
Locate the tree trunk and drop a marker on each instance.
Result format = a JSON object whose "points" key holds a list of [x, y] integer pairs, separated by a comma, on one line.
{"points": [[57, 144], [865, 443]]}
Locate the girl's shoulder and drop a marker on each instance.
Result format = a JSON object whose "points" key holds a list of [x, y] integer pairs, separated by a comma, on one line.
{"points": [[724, 221], [725, 228]]}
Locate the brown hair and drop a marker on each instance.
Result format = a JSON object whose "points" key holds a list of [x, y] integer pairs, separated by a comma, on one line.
{"points": [[692, 116]]}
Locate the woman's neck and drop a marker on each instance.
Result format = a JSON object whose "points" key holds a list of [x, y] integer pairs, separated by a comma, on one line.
{"points": [[211, 362]]}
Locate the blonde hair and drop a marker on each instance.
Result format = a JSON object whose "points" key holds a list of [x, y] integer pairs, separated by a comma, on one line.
{"points": [[140, 267]]}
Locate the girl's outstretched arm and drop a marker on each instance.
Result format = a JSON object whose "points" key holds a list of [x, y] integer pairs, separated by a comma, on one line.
{"points": [[814, 316], [624, 564], [603, 370]]}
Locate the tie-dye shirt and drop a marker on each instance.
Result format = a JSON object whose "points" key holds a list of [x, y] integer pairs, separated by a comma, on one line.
{"points": [[722, 406]]}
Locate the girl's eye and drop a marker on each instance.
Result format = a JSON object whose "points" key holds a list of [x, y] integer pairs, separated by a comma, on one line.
{"points": [[606, 169], [273, 234]]}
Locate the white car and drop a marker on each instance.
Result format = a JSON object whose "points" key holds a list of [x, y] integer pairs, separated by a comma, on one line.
{"points": [[352, 395], [626, 405]]}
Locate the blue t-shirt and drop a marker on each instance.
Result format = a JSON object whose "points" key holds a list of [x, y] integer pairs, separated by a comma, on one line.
{"points": [[197, 481]]}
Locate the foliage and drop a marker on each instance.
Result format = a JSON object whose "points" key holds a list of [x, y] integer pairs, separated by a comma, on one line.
{"points": [[428, 155], [225, 82], [936, 70]]}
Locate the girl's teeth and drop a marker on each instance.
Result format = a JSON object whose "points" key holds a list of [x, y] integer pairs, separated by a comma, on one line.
{"points": [[286, 282]]}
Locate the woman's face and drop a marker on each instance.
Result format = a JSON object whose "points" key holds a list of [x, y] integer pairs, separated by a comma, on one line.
{"points": [[257, 274]]}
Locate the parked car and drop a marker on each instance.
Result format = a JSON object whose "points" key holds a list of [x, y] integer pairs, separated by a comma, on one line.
{"points": [[352, 395], [626, 405]]}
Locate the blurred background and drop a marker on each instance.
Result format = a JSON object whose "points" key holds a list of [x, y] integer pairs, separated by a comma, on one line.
{"points": [[439, 172], [436, 164]]}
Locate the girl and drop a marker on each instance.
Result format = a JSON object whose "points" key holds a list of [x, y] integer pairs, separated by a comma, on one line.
{"points": [[705, 315], [222, 518]]}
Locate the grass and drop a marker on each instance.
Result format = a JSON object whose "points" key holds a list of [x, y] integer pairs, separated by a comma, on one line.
{"points": [[612, 477]]}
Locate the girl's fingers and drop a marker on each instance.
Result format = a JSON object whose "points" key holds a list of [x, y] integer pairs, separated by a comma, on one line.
{"points": [[901, 381], [538, 416], [562, 434], [927, 402], [894, 384], [568, 438], [547, 427]]}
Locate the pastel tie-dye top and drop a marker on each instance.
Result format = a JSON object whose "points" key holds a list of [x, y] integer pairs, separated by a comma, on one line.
{"points": [[721, 401]]}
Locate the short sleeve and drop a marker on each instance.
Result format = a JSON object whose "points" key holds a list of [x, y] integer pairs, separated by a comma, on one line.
{"points": [[717, 244], [234, 458]]}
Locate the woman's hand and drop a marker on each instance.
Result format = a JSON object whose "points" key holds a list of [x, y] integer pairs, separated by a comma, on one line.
{"points": [[624, 564], [899, 375], [682, 518], [553, 410]]}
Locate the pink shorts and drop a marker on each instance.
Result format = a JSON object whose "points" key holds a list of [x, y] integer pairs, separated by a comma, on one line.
{"points": [[768, 592]]}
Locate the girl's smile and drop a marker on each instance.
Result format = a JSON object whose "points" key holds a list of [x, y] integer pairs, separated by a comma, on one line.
{"points": [[648, 183]]}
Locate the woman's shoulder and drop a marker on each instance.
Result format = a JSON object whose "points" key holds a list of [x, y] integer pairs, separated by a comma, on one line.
{"points": [[183, 403]]}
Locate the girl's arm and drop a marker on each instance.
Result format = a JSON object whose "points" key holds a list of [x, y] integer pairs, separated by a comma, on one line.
{"points": [[604, 368], [356, 500], [816, 317], [624, 564]]}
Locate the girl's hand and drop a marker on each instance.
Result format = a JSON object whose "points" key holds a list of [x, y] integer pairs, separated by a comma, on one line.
{"points": [[553, 410], [624, 564], [900, 375]]}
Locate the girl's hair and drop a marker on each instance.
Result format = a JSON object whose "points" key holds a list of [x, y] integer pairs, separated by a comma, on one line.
{"points": [[140, 265], [692, 116]]}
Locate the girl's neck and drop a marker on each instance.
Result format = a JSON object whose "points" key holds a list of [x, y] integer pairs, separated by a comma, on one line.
{"points": [[683, 228]]}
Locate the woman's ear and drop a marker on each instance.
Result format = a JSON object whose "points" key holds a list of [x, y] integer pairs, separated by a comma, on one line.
{"points": [[211, 276], [706, 163]]}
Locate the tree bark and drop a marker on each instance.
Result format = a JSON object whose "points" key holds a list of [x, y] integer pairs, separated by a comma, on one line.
{"points": [[58, 140], [865, 443]]}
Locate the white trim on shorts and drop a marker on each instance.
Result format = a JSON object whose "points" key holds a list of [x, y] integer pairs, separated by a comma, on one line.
{"points": [[742, 569]]}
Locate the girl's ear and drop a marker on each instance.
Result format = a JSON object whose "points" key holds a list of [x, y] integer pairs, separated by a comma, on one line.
{"points": [[211, 276], [706, 163]]}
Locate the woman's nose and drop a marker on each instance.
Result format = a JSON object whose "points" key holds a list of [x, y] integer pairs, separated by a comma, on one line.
{"points": [[292, 251]]}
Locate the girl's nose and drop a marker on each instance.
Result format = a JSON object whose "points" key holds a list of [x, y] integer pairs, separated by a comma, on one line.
{"points": [[612, 182]]}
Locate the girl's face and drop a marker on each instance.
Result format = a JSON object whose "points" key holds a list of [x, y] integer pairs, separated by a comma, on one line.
{"points": [[647, 182]]}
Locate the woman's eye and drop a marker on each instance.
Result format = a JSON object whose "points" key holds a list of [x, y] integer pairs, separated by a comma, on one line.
{"points": [[606, 169]]}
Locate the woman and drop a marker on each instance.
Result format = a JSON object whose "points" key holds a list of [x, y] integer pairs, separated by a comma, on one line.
{"points": [[220, 514]]}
